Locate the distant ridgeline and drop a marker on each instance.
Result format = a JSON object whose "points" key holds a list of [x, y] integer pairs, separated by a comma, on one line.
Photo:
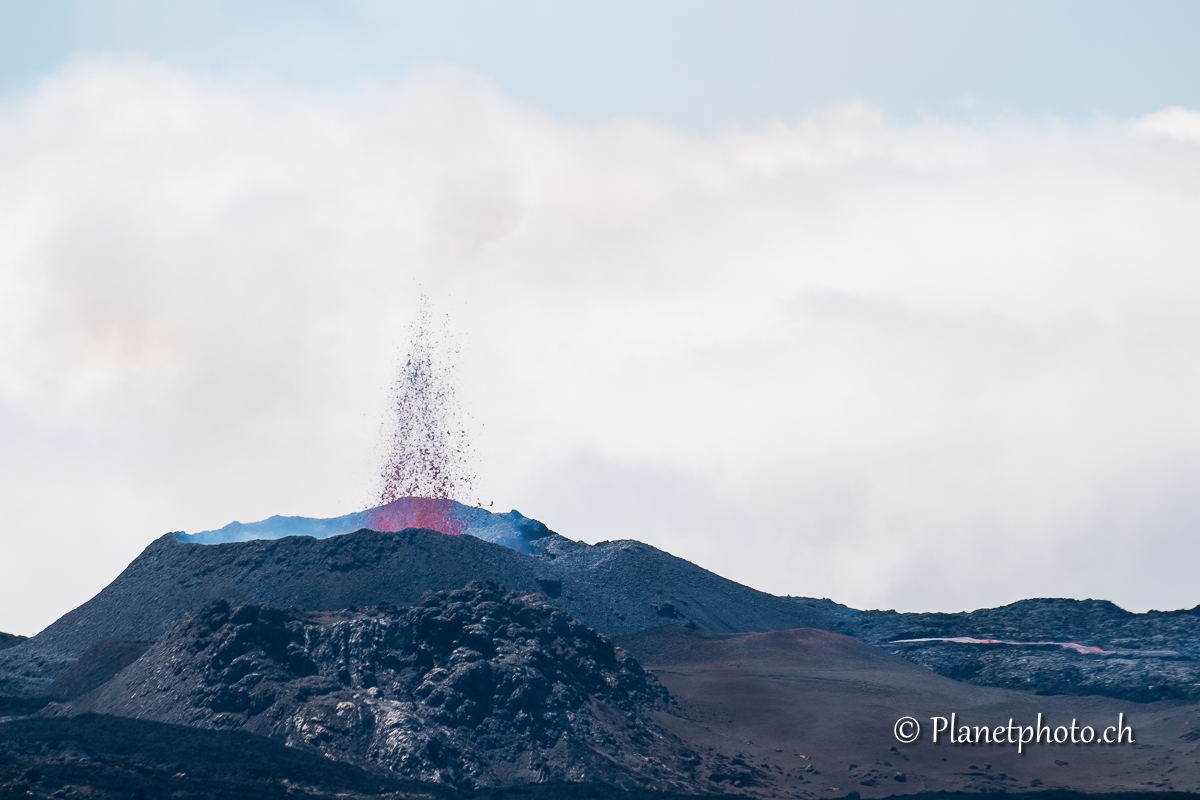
{"points": [[445, 516]]}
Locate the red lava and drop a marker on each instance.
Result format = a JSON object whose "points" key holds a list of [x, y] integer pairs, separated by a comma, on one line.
{"points": [[433, 513]]}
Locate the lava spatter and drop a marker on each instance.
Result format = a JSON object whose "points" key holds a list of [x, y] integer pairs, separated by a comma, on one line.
{"points": [[428, 455]]}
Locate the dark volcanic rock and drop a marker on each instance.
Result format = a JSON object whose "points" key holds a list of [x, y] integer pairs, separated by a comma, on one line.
{"points": [[1096, 622], [15, 707], [94, 757], [615, 587], [1054, 671], [472, 687], [618, 588], [1120, 671], [10, 640]]}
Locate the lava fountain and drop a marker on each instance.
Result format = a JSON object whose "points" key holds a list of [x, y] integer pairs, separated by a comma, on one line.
{"points": [[426, 480]]}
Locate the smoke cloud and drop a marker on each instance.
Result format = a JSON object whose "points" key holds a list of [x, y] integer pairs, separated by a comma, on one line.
{"points": [[920, 364]]}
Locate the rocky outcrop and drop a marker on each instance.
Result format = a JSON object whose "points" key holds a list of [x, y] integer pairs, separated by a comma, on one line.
{"points": [[474, 687], [10, 640]]}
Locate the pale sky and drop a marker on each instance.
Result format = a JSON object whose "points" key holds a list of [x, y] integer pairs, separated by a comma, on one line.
{"points": [[888, 303]]}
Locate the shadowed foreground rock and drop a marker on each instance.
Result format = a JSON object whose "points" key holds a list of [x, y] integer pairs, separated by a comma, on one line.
{"points": [[94, 757], [475, 687]]}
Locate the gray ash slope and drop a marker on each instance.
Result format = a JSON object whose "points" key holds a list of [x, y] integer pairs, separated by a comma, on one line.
{"points": [[96, 667], [475, 687], [617, 587]]}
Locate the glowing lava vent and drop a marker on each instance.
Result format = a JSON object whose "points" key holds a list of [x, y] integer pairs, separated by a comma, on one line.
{"points": [[511, 530]]}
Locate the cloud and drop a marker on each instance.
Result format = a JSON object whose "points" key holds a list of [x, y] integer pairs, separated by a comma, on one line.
{"points": [[934, 364], [1173, 123]]}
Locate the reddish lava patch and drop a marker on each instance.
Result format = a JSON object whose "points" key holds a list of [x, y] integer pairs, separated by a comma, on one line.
{"points": [[433, 513]]}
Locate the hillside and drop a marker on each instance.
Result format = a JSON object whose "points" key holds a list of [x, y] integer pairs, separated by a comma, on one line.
{"points": [[1045, 646], [615, 587]]}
